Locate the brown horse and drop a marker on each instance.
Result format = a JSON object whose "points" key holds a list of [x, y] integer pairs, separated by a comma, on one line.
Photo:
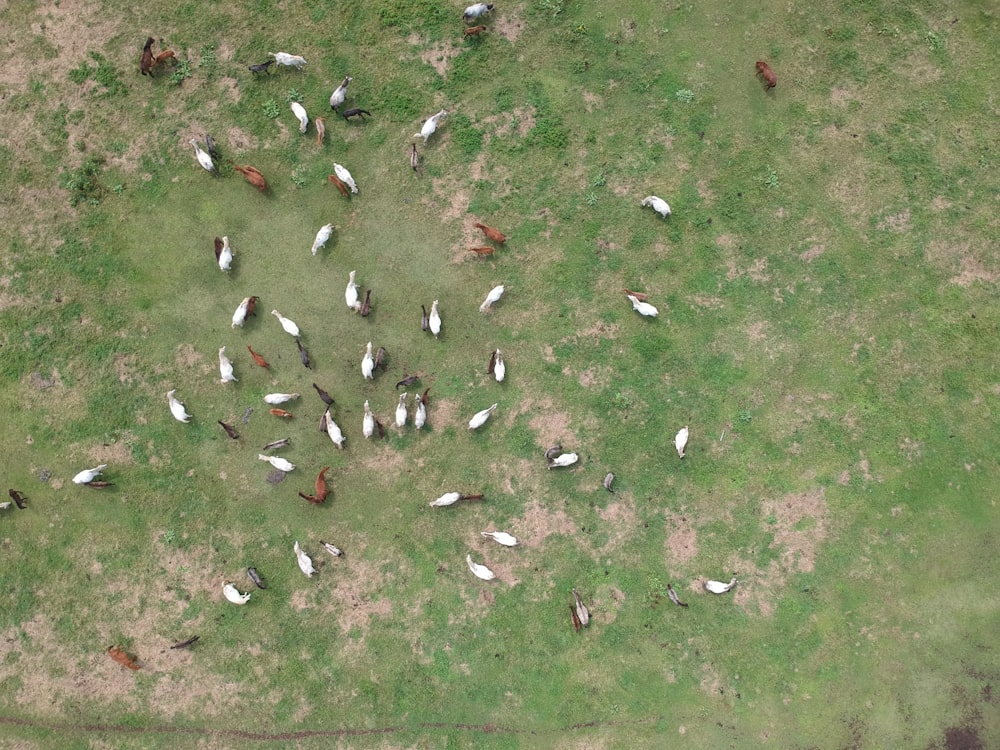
{"points": [[340, 185], [764, 70], [261, 362], [641, 296], [146, 61], [253, 176], [163, 57], [321, 489], [122, 658], [473, 31], [481, 250], [281, 413], [494, 235]]}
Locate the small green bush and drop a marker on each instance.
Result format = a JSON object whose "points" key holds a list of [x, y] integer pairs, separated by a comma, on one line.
{"points": [[82, 182]]}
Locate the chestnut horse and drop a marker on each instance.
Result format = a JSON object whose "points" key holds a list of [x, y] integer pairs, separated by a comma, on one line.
{"points": [[764, 70]]}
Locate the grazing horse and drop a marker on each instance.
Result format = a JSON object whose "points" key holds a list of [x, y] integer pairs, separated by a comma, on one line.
{"points": [[494, 235], [261, 362], [210, 146], [339, 94], [163, 57], [262, 68], [122, 658], [765, 72], [320, 124], [229, 430], [303, 354], [324, 396], [473, 31], [340, 185], [576, 618], [356, 112], [280, 413], [253, 176], [475, 11], [481, 250], [146, 61], [321, 489], [283, 58], [414, 158]]}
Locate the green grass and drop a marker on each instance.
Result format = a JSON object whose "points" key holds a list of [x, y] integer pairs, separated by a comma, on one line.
{"points": [[837, 379]]}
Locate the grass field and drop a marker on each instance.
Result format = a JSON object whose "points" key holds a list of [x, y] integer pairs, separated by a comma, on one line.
{"points": [[828, 328]]}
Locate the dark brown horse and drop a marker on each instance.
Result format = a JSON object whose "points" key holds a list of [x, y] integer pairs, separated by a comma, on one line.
{"points": [[146, 61]]}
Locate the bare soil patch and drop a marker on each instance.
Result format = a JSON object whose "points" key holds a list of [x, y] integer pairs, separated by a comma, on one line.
{"points": [[969, 265], [799, 522], [622, 520], [681, 545], [437, 56], [538, 522], [449, 197], [354, 599], [51, 675], [114, 454], [510, 23], [899, 222], [800, 527], [550, 425], [186, 356], [812, 253]]}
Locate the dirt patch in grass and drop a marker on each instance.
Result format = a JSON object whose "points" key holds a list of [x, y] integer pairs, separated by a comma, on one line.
{"points": [[240, 140], [385, 462], [799, 528], [52, 675], [230, 87], [437, 56], [840, 96], [681, 545], [710, 303], [899, 222], [518, 122], [967, 264], [449, 197], [622, 520], [812, 253], [592, 101], [186, 356], [443, 413], [124, 365], [550, 426], [538, 522], [799, 523], [510, 23], [353, 600], [599, 377], [114, 454], [523, 469]]}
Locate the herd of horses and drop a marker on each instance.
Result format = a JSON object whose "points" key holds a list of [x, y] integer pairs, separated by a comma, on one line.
{"points": [[149, 63]]}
